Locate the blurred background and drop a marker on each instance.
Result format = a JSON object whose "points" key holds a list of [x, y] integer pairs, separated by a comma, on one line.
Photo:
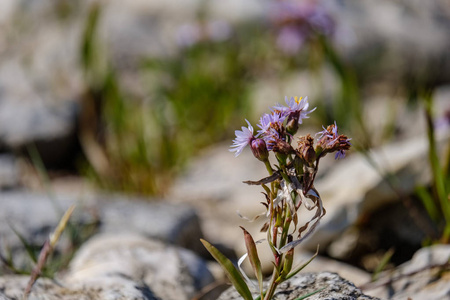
{"points": [[143, 97]]}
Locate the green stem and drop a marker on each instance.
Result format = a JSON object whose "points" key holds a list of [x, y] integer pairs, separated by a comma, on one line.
{"points": [[438, 174], [268, 167], [286, 226], [272, 285]]}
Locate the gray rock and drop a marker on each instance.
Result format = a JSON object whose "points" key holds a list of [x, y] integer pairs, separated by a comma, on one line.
{"points": [[329, 285], [170, 272], [9, 171], [35, 216], [424, 277], [321, 263], [12, 288], [174, 224], [395, 34], [39, 81]]}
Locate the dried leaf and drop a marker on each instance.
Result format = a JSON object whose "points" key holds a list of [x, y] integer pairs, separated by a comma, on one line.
{"points": [[320, 212], [265, 227], [253, 257], [265, 180]]}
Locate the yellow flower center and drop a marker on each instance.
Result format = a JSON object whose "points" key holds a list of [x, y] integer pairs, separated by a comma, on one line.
{"points": [[297, 99]]}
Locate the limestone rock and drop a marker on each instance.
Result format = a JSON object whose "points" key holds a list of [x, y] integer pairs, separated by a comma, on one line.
{"points": [[395, 33], [329, 285], [172, 224], [425, 276], [321, 263], [119, 267], [12, 288], [9, 172], [36, 215], [170, 272]]}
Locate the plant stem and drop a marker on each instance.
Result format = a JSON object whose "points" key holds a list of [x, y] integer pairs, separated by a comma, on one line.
{"points": [[438, 174], [268, 167], [272, 285]]}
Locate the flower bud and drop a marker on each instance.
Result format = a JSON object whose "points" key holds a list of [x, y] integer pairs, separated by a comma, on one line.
{"points": [[292, 122], [259, 149], [282, 147], [306, 148]]}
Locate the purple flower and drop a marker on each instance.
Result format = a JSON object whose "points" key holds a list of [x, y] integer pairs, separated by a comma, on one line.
{"points": [[289, 40], [330, 141], [268, 121], [271, 138], [295, 105], [340, 154], [243, 138], [329, 135]]}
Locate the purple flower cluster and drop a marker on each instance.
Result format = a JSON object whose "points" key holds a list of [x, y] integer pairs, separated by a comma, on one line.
{"points": [[276, 131]]}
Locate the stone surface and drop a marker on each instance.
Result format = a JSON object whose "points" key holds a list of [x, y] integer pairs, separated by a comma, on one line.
{"points": [[35, 216], [321, 264], [426, 276], [12, 288], [394, 34], [331, 286], [9, 172], [170, 272], [174, 224], [39, 82], [119, 267]]}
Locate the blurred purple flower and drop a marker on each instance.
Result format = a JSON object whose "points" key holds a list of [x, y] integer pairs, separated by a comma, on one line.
{"points": [[299, 21], [192, 33], [340, 154], [289, 40]]}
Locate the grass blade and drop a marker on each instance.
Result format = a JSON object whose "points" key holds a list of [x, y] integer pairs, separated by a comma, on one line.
{"points": [[310, 294], [28, 247], [230, 270], [298, 269]]}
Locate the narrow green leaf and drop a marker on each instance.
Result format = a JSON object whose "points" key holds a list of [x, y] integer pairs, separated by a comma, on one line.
{"points": [[310, 294], [428, 202], [304, 265], [28, 247], [230, 270], [253, 257], [384, 261]]}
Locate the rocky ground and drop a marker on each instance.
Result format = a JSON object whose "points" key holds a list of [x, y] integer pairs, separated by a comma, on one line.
{"points": [[128, 247]]}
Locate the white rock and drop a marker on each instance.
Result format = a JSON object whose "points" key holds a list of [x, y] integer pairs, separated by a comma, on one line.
{"points": [[424, 277], [109, 259], [329, 285]]}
